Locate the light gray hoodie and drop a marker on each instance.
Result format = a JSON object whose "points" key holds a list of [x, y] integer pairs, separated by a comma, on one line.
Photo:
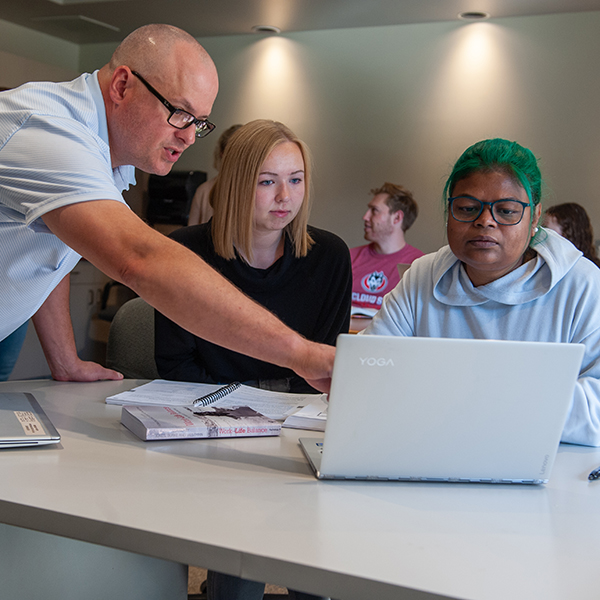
{"points": [[552, 298]]}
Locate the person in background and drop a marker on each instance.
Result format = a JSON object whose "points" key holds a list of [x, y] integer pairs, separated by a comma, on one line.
{"points": [[260, 240], [572, 222], [200, 210], [391, 212], [502, 277], [67, 151]]}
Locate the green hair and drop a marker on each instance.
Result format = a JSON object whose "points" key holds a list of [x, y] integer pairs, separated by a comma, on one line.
{"points": [[498, 155]]}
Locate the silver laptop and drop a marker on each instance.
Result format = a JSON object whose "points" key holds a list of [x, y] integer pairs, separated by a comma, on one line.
{"points": [[23, 422], [430, 409]]}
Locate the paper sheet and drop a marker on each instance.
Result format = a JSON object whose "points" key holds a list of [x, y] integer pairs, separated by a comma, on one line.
{"points": [[275, 405]]}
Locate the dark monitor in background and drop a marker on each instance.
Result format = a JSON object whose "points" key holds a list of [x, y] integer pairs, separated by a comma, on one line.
{"points": [[170, 196]]}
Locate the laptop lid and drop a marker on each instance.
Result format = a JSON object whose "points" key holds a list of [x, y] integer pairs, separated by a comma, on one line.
{"points": [[429, 409], [23, 422]]}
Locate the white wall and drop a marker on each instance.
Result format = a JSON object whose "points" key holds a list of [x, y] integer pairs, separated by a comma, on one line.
{"points": [[28, 55], [16, 70], [401, 103]]}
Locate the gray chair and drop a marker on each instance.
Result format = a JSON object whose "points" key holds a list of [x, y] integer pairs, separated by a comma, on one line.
{"points": [[130, 348]]}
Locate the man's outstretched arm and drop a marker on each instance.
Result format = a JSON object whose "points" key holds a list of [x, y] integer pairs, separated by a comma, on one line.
{"points": [[183, 287]]}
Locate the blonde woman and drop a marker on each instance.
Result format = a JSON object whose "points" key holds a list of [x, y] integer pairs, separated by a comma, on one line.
{"points": [[259, 239]]}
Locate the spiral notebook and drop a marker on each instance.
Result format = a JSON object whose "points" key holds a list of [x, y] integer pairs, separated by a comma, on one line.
{"points": [[276, 405], [427, 409], [217, 395]]}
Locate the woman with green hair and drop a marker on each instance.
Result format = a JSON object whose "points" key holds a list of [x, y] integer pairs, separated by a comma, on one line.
{"points": [[502, 277]]}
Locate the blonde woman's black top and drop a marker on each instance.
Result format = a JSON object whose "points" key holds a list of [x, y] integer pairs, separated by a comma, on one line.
{"points": [[311, 295]]}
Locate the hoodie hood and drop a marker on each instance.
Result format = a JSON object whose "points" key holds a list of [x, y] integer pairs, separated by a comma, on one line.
{"points": [[555, 257]]}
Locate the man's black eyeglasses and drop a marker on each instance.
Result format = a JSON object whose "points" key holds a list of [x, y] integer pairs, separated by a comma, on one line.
{"points": [[179, 118]]}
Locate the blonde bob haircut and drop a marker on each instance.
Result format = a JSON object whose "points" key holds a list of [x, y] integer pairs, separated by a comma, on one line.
{"points": [[233, 195]]}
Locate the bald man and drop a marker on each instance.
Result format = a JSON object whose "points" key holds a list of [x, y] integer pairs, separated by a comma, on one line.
{"points": [[67, 151]]}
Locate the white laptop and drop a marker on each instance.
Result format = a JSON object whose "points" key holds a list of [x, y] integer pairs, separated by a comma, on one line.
{"points": [[430, 409], [23, 422]]}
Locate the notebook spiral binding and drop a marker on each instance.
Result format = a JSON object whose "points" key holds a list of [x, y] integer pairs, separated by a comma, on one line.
{"points": [[220, 393]]}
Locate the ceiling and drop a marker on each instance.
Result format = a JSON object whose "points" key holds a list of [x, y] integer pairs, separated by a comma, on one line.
{"points": [[91, 21]]}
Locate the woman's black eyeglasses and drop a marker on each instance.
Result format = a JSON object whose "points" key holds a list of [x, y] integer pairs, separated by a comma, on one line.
{"points": [[467, 209]]}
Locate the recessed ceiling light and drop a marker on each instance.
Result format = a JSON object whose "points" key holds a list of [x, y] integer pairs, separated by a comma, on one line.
{"points": [[473, 15], [266, 29]]}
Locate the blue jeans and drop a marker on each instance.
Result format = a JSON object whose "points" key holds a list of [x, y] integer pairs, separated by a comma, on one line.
{"points": [[228, 587], [9, 350]]}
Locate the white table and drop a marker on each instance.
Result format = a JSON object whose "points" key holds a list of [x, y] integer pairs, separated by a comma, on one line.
{"points": [[251, 507]]}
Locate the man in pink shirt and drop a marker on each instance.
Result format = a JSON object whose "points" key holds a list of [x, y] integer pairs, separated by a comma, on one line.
{"points": [[391, 212]]}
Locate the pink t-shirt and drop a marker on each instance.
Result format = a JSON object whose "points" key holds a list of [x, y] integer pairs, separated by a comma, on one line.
{"points": [[374, 274]]}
